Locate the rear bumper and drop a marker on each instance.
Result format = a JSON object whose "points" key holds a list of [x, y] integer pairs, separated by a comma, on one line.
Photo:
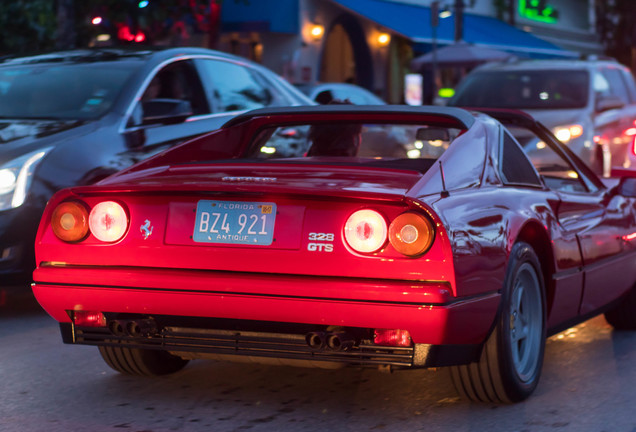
{"points": [[287, 348], [425, 309]]}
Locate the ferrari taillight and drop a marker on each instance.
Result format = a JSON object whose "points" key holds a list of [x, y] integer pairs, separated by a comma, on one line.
{"points": [[392, 337], [108, 221], [89, 319], [365, 231], [70, 221], [411, 234]]}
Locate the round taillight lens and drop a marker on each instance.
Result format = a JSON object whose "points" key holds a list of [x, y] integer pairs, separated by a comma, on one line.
{"points": [[70, 221], [108, 221], [411, 234], [365, 231]]}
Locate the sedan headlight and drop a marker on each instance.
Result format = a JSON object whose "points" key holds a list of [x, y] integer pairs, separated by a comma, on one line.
{"points": [[567, 133], [16, 177]]}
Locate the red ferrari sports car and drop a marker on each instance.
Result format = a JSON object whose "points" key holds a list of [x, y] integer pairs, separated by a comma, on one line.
{"points": [[305, 236]]}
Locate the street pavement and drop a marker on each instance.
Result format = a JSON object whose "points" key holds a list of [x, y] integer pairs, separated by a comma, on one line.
{"points": [[588, 384]]}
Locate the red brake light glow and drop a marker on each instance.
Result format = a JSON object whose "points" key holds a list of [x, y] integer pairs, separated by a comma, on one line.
{"points": [[392, 337], [365, 231], [108, 221], [69, 221], [411, 234], [89, 319]]}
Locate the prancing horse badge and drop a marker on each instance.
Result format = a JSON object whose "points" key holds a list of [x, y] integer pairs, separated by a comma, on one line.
{"points": [[146, 229]]}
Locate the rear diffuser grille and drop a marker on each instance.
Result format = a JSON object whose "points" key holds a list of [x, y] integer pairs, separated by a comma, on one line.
{"points": [[272, 345]]}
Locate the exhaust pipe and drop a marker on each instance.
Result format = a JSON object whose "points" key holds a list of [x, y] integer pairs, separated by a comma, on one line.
{"points": [[316, 340], [145, 327], [133, 328], [117, 328], [340, 341]]}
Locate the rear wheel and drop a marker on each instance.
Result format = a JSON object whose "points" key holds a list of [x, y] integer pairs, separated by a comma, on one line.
{"points": [[135, 361], [511, 360], [623, 315]]}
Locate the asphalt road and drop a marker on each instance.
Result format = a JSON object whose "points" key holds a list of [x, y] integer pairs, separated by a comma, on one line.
{"points": [[588, 384]]}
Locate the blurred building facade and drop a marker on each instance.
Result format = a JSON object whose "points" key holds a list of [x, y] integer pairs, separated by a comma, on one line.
{"points": [[371, 42]]}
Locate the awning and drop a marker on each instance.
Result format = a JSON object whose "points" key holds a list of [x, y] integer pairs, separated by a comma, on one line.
{"points": [[461, 54], [414, 23], [260, 16]]}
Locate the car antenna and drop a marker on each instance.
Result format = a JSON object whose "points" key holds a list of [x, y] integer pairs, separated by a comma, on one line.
{"points": [[444, 193]]}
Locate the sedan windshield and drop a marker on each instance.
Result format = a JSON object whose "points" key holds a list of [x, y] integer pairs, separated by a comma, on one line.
{"points": [[529, 89], [68, 92]]}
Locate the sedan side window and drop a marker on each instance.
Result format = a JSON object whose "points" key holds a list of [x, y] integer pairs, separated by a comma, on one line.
{"points": [[617, 85], [175, 89], [178, 81], [233, 87], [601, 85]]}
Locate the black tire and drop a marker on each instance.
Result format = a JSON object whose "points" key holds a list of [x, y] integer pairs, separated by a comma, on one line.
{"points": [[510, 365], [144, 362], [623, 315]]}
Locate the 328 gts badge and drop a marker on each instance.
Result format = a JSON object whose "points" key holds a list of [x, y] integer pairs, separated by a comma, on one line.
{"points": [[320, 242]]}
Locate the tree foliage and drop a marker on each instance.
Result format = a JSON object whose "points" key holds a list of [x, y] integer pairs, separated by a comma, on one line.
{"points": [[38, 25], [27, 26], [617, 29]]}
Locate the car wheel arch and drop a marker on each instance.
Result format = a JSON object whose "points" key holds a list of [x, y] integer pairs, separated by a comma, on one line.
{"points": [[535, 234]]}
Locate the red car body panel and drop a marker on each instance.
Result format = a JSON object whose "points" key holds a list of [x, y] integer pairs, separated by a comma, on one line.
{"points": [[449, 296]]}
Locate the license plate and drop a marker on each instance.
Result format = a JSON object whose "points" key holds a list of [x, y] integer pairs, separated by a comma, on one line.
{"points": [[234, 222]]}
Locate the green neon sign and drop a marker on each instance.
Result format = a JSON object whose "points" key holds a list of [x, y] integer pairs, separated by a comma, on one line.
{"points": [[538, 10]]}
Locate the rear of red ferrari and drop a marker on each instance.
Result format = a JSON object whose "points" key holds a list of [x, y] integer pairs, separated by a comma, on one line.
{"points": [[259, 263], [331, 260]]}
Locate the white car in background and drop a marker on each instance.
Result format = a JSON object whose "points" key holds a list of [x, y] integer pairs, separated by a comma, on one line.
{"points": [[590, 105], [323, 93]]}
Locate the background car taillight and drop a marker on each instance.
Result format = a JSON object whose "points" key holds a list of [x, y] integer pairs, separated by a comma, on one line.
{"points": [[365, 231], [70, 221], [631, 134], [108, 221], [411, 234]]}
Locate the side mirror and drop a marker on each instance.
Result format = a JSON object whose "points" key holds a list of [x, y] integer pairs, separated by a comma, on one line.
{"points": [[432, 134], [166, 111], [605, 103]]}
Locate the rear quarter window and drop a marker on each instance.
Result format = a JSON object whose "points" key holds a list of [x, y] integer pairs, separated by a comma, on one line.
{"points": [[514, 165]]}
